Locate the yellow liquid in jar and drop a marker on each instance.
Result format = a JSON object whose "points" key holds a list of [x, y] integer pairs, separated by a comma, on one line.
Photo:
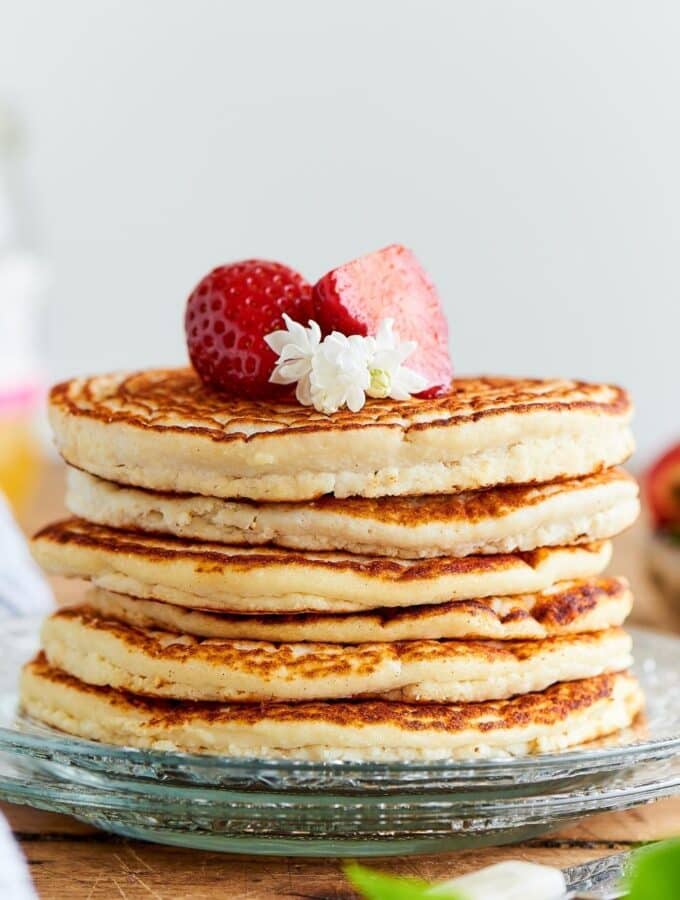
{"points": [[20, 458]]}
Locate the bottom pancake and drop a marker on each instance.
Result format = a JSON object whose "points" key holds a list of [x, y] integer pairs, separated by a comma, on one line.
{"points": [[559, 717], [182, 667]]}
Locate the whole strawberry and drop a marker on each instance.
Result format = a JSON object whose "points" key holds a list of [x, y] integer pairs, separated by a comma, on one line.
{"points": [[229, 313], [663, 490], [389, 284]]}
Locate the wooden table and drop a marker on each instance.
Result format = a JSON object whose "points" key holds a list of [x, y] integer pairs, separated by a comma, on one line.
{"points": [[71, 861]]}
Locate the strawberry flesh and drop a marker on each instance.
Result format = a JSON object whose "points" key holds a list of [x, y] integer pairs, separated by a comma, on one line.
{"points": [[390, 283], [227, 317]]}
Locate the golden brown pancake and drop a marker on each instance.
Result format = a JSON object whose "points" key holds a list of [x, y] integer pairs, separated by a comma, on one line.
{"points": [[164, 430], [559, 717], [163, 664], [273, 580], [496, 520], [570, 607]]}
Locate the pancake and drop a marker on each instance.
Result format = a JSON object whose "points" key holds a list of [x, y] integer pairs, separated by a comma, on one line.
{"points": [[181, 667], [562, 716], [164, 430], [273, 580], [496, 520], [568, 608]]}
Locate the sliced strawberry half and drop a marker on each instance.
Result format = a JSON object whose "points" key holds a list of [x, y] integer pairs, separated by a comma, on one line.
{"points": [[390, 283], [663, 488]]}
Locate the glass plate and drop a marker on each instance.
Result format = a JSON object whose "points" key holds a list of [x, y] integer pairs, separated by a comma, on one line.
{"points": [[318, 824], [310, 808]]}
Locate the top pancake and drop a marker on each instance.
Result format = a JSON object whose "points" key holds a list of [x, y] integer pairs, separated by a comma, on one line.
{"points": [[164, 430]]}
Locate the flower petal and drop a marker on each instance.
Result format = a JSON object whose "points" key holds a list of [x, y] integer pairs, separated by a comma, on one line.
{"points": [[277, 378], [277, 340], [356, 398], [303, 391], [384, 336], [314, 333], [294, 369], [298, 332], [406, 382]]}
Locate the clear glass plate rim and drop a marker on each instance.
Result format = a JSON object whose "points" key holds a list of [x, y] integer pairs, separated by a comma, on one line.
{"points": [[116, 797], [13, 740]]}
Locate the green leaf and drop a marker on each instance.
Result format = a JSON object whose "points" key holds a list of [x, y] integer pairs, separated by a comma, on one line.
{"points": [[655, 873], [377, 886]]}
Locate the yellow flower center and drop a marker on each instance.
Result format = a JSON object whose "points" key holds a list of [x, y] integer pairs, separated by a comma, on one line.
{"points": [[380, 383]]}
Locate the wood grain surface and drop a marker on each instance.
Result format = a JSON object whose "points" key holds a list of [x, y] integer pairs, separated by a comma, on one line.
{"points": [[72, 861]]}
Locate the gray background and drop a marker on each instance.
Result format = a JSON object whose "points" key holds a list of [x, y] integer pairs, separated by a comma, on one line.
{"points": [[529, 152]]}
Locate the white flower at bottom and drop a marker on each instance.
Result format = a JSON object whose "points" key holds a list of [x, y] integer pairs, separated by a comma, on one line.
{"points": [[341, 371]]}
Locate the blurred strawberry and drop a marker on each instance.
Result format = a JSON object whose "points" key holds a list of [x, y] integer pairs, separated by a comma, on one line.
{"points": [[390, 283], [227, 317], [663, 488]]}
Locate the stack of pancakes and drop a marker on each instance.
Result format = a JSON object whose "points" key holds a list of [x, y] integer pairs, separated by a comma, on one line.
{"points": [[419, 580]]}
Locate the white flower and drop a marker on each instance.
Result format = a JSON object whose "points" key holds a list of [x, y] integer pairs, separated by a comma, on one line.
{"points": [[340, 375], [389, 376], [295, 348], [341, 371]]}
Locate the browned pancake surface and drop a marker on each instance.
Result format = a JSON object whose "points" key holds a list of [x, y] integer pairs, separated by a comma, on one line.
{"points": [[547, 707], [207, 557], [175, 399], [559, 608], [473, 506], [318, 660]]}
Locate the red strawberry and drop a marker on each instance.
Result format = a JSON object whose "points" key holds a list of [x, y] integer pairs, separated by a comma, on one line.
{"points": [[229, 313], [663, 488], [389, 283]]}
